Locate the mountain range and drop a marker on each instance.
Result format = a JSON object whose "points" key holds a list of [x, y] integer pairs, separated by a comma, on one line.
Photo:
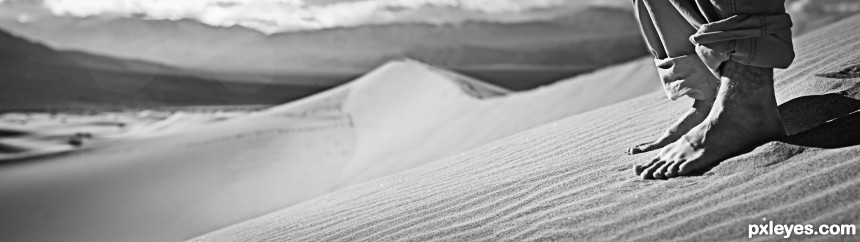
{"points": [[35, 77], [545, 51]]}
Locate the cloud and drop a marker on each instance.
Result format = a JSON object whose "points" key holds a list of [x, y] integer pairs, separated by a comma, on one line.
{"points": [[296, 15]]}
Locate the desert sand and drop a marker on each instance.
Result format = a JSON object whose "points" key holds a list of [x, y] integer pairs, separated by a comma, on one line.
{"points": [[570, 179], [172, 176]]}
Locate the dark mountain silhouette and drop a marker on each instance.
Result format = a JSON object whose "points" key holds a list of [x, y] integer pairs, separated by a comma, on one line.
{"points": [[35, 77]]}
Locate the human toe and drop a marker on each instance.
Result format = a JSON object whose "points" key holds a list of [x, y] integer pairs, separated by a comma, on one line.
{"points": [[640, 168], [648, 173]]}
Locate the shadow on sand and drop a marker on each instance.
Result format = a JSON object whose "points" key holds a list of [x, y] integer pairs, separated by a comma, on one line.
{"points": [[822, 121]]}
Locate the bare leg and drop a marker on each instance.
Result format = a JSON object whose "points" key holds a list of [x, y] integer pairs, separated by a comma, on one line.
{"points": [[744, 115], [681, 70]]}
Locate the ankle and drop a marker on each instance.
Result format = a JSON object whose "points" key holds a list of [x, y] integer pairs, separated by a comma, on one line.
{"points": [[747, 86], [749, 78], [747, 98]]}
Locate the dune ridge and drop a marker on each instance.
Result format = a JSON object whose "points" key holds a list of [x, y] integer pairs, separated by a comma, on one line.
{"points": [[569, 180]]}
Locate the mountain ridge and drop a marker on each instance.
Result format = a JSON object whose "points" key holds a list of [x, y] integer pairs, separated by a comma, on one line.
{"points": [[36, 77], [193, 45]]}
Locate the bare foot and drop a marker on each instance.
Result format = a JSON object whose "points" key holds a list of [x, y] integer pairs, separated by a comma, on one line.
{"points": [[744, 115], [695, 116]]}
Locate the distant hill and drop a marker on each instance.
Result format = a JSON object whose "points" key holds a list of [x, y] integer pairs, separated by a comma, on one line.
{"points": [[35, 77]]}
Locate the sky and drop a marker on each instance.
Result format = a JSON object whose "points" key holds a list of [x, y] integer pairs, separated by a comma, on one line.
{"points": [[273, 16]]}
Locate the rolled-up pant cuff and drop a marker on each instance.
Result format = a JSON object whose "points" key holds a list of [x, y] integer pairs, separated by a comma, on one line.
{"points": [[755, 40]]}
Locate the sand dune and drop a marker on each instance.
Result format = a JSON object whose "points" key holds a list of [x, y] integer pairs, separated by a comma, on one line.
{"points": [[440, 121], [182, 183], [570, 179]]}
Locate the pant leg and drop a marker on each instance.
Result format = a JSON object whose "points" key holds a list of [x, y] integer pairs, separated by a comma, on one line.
{"points": [[751, 32], [649, 30], [667, 33]]}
